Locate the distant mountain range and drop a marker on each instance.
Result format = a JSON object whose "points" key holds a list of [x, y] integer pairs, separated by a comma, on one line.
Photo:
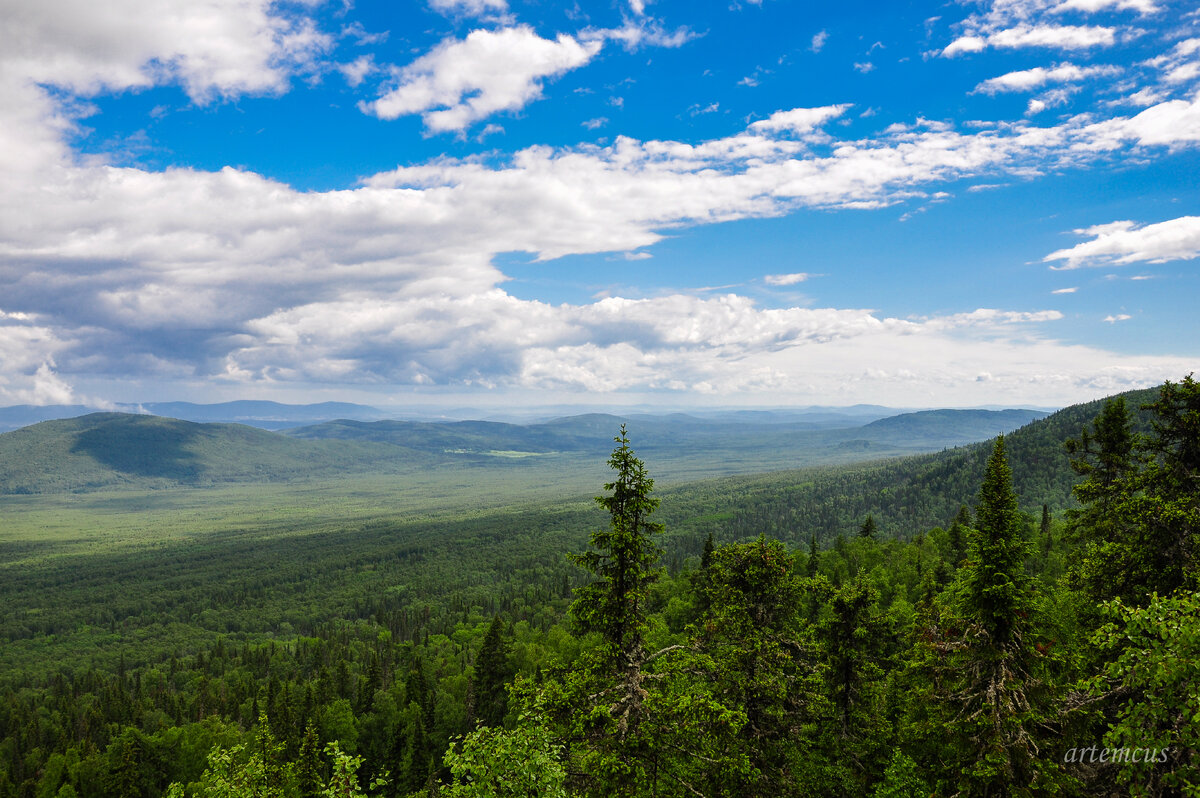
{"points": [[278, 416], [106, 450], [264, 415]]}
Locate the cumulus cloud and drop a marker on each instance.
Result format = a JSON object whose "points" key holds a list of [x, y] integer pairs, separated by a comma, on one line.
{"points": [[1113, 319], [1058, 37], [357, 70], [1180, 64], [818, 41], [1126, 242], [641, 32], [799, 120], [1029, 79], [1092, 6], [211, 47], [786, 279], [1020, 24], [470, 8], [464, 80]]}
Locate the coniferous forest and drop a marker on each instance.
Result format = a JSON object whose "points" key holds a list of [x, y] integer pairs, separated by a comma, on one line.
{"points": [[933, 638]]}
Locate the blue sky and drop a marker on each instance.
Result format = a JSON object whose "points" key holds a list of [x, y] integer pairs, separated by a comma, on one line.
{"points": [[496, 202]]}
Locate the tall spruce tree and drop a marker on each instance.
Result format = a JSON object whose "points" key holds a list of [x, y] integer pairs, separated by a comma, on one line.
{"points": [[617, 757], [976, 666], [997, 590], [623, 558], [493, 671]]}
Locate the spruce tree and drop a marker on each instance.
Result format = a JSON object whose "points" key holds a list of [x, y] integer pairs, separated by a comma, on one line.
{"points": [[308, 769], [997, 590], [977, 663], [623, 557], [492, 673], [610, 688]]}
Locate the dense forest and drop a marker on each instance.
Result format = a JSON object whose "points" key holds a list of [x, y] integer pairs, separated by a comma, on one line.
{"points": [[1002, 620]]}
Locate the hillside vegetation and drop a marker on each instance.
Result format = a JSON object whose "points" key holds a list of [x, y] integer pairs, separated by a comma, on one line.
{"points": [[108, 450], [237, 642], [105, 450]]}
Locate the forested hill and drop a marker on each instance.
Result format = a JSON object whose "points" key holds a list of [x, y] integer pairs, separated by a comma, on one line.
{"points": [[592, 433], [904, 495], [949, 423], [107, 450], [104, 450]]}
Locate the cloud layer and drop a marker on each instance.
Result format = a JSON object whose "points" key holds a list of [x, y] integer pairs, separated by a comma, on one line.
{"points": [[226, 277]]}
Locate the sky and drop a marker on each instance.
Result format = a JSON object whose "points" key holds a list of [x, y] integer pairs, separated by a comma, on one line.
{"points": [[507, 203]]}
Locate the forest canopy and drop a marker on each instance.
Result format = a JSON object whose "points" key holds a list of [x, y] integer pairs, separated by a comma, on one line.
{"points": [[1000, 653]]}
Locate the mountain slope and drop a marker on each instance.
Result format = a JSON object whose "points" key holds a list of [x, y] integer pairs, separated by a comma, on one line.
{"points": [[911, 494], [113, 449]]}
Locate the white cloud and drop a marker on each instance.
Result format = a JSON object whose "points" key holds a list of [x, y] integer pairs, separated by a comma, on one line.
{"points": [[462, 81], [965, 44], [864, 67], [1092, 6], [593, 124], [644, 31], [818, 41], [357, 70], [1125, 242], [1029, 79], [786, 279], [1058, 37], [211, 47], [1065, 290], [470, 8], [799, 120], [1118, 317], [1179, 65]]}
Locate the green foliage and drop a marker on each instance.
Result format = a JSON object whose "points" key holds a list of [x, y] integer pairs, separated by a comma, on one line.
{"points": [[1140, 524], [498, 763], [764, 662], [901, 780], [1152, 675]]}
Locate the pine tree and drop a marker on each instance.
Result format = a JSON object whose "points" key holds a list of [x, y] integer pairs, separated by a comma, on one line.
{"points": [[958, 535], [814, 556]]}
